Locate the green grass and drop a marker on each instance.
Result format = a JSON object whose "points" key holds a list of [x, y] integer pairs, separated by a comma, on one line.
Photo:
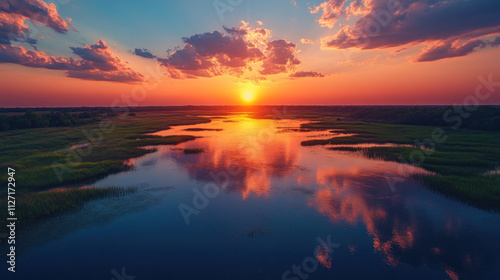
{"points": [[459, 163], [36, 206], [35, 152], [347, 140], [479, 191]]}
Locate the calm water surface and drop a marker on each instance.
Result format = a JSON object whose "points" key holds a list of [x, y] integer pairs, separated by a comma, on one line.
{"points": [[276, 200]]}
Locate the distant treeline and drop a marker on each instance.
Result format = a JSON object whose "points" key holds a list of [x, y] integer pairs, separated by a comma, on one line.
{"points": [[481, 118], [31, 119]]}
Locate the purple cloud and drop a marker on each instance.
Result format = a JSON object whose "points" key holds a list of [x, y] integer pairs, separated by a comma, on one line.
{"points": [[448, 50], [306, 74], [143, 53], [239, 50], [14, 13], [387, 24], [96, 62]]}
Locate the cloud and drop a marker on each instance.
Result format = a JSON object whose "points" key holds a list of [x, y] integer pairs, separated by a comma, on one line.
{"points": [[70, 23], [449, 49], [212, 54], [115, 76], [98, 56], [280, 57], [495, 42], [386, 24], [238, 51], [96, 62], [306, 41], [13, 28], [33, 58], [303, 74], [14, 13], [331, 11], [143, 53]]}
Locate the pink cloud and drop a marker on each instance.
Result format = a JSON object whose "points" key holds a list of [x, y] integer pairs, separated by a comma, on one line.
{"points": [[70, 23], [37, 11], [306, 41], [449, 49], [242, 49], [387, 24], [306, 74], [96, 62]]}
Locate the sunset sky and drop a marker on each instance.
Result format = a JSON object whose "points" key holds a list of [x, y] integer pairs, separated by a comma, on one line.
{"points": [[225, 52]]}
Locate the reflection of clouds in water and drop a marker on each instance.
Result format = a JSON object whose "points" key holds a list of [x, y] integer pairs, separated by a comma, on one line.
{"points": [[346, 188], [249, 177], [401, 235], [324, 256], [253, 169]]}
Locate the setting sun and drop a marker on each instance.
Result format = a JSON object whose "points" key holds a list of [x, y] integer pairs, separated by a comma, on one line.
{"points": [[248, 95]]}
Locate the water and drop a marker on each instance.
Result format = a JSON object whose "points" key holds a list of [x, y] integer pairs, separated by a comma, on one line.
{"points": [[277, 200]]}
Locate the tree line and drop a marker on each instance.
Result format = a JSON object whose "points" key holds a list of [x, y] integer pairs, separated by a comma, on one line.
{"points": [[31, 119]]}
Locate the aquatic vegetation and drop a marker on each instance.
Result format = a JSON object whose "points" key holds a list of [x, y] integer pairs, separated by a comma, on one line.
{"points": [[459, 163], [34, 206], [481, 191], [38, 151]]}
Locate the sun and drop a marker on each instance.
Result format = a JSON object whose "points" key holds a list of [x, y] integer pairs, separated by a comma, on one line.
{"points": [[248, 95]]}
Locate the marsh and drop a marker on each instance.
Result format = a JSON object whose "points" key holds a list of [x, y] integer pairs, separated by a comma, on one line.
{"points": [[253, 204]]}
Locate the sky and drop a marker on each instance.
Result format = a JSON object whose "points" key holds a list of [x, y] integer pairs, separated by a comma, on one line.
{"points": [[236, 52]]}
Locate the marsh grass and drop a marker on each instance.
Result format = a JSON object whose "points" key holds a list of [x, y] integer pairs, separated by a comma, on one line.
{"points": [[481, 191], [35, 152], [459, 164], [39, 205]]}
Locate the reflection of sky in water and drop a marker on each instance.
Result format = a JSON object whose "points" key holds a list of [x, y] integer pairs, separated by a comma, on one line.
{"points": [[281, 197]]}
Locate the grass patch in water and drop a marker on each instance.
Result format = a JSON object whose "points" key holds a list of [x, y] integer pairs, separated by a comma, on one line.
{"points": [[34, 153], [459, 163], [481, 191]]}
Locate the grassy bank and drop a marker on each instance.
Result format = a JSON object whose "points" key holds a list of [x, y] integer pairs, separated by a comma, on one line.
{"points": [[39, 154], [35, 206], [460, 158]]}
